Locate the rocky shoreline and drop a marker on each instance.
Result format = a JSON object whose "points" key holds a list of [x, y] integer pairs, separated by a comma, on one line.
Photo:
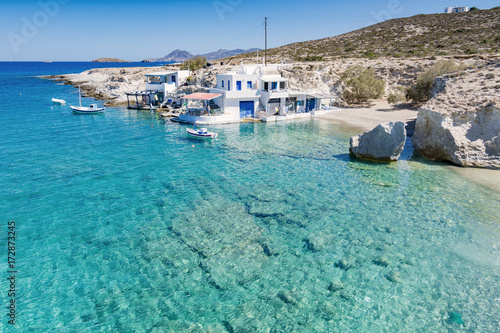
{"points": [[460, 124]]}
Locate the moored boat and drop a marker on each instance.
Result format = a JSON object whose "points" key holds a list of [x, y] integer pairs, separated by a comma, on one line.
{"points": [[93, 108], [58, 101], [201, 133]]}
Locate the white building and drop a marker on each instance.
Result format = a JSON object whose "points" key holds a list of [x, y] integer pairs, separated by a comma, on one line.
{"points": [[159, 86], [456, 9], [165, 82], [248, 92]]}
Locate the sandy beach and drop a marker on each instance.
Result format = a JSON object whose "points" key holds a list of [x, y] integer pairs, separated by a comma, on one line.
{"points": [[366, 118]]}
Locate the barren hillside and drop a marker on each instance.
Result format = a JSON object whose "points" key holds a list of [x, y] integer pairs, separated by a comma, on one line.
{"points": [[474, 32]]}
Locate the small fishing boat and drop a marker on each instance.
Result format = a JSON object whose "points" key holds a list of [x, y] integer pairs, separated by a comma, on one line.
{"points": [[201, 133], [93, 108], [58, 101]]}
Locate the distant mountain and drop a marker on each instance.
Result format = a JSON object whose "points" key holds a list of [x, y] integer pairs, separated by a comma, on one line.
{"points": [[180, 56], [174, 56]]}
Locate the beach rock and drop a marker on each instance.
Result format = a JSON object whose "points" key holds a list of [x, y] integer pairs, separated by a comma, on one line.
{"points": [[384, 143], [394, 277], [382, 261], [346, 263], [461, 122], [464, 137], [226, 240], [335, 286], [288, 297]]}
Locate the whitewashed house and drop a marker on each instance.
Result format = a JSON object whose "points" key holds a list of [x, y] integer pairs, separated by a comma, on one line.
{"points": [[165, 82], [159, 87], [456, 9], [249, 93]]}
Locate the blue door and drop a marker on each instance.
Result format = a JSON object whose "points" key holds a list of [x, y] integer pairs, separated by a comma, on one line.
{"points": [[310, 105], [238, 85], [246, 109]]}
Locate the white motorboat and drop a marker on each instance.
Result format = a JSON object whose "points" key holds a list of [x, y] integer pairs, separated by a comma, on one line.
{"points": [[58, 101], [201, 133], [93, 108]]}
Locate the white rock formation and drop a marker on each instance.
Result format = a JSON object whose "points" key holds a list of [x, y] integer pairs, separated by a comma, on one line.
{"points": [[461, 123], [466, 138], [383, 143]]}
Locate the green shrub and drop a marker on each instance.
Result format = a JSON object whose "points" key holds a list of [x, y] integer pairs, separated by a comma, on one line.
{"points": [[399, 96], [396, 98], [361, 85], [194, 64], [370, 54], [470, 51], [310, 58], [421, 91]]}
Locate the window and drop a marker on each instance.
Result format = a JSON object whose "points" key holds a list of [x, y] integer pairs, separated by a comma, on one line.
{"points": [[266, 86], [173, 78], [238, 85], [154, 79], [249, 84], [228, 85], [274, 86], [282, 85], [222, 83]]}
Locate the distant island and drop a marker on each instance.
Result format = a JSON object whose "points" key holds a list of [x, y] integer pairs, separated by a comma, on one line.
{"points": [[109, 60], [180, 55]]}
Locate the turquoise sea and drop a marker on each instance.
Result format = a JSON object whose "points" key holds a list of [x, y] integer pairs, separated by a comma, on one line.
{"points": [[123, 224]]}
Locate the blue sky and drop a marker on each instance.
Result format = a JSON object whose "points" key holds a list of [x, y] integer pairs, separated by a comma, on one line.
{"points": [[77, 30]]}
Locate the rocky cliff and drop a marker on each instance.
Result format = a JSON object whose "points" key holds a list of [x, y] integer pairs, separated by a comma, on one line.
{"points": [[461, 123]]}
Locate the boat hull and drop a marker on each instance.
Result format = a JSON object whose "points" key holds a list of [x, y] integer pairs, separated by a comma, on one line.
{"points": [[58, 101], [201, 134], [86, 110]]}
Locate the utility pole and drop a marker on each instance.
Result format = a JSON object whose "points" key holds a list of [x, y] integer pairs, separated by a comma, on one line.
{"points": [[265, 52]]}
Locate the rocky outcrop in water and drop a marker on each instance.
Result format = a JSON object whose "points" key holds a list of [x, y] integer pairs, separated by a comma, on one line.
{"points": [[109, 60], [461, 123], [384, 143]]}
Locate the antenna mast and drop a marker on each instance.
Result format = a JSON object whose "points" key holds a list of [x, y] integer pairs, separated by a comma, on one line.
{"points": [[265, 51]]}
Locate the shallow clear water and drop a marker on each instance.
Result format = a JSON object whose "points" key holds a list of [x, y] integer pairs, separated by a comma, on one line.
{"points": [[126, 225]]}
